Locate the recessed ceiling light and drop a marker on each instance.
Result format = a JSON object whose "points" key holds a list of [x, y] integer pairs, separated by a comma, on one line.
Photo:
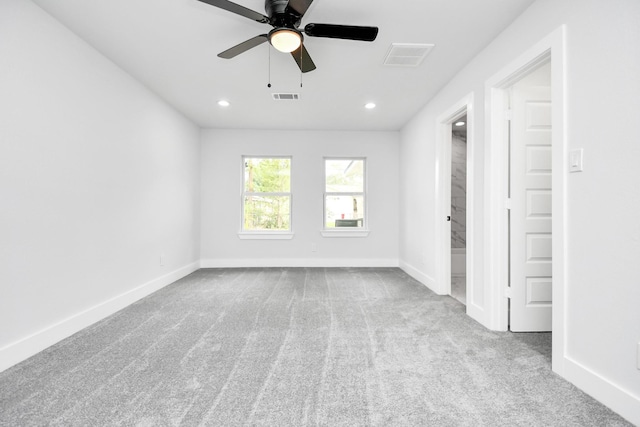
{"points": [[370, 106], [460, 123], [223, 103]]}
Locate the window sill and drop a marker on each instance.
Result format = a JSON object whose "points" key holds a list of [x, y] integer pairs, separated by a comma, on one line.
{"points": [[265, 235], [344, 233]]}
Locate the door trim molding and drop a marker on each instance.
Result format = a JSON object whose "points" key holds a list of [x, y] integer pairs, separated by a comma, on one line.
{"points": [[550, 48], [443, 201]]}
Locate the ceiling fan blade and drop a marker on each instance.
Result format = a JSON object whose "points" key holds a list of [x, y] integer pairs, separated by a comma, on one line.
{"points": [[350, 32], [237, 9], [243, 47], [299, 6], [303, 59]]}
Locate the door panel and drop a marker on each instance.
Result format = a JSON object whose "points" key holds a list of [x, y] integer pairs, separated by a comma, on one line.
{"points": [[538, 161], [538, 204], [538, 291], [531, 210]]}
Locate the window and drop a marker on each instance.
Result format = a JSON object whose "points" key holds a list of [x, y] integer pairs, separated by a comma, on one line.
{"points": [[266, 196], [344, 197]]}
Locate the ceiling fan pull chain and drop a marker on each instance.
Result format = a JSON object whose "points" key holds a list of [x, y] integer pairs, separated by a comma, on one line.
{"points": [[301, 47], [269, 82]]}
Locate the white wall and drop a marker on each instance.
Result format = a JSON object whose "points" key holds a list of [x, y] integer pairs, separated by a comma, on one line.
{"points": [[222, 184], [98, 177], [417, 198], [602, 99]]}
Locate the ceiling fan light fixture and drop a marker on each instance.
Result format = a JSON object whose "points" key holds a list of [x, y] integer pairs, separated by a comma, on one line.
{"points": [[285, 40]]}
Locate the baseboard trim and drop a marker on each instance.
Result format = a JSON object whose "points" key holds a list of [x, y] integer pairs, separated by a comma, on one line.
{"points": [[477, 313], [297, 262], [606, 392], [21, 350], [421, 277]]}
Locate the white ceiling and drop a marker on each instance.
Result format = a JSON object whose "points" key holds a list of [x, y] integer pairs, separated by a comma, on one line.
{"points": [[171, 46]]}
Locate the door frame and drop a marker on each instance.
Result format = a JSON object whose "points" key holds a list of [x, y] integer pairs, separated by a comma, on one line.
{"points": [[443, 200], [550, 49]]}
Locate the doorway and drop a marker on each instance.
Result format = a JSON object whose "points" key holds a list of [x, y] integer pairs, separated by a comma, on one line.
{"points": [[522, 153], [464, 263], [496, 248], [459, 209]]}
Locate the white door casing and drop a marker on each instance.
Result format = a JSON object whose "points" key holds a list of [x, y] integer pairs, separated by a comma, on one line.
{"points": [[530, 232], [443, 205]]}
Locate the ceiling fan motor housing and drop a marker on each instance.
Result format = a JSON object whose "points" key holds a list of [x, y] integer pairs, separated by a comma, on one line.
{"points": [[274, 7], [280, 15]]}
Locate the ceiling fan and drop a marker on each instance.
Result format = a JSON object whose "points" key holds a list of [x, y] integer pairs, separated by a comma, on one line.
{"points": [[285, 17]]}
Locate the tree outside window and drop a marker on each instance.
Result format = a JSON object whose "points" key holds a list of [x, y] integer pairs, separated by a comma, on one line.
{"points": [[266, 194]]}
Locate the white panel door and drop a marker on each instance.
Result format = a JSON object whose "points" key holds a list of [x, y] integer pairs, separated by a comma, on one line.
{"points": [[530, 193]]}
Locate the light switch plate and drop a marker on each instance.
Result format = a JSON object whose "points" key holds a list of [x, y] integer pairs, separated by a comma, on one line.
{"points": [[575, 160]]}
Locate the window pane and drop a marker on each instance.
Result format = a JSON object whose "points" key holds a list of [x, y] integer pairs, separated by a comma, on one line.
{"points": [[267, 175], [344, 211], [344, 176], [266, 212]]}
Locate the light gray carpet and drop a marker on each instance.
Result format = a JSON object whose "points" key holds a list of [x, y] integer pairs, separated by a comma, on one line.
{"points": [[295, 347]]}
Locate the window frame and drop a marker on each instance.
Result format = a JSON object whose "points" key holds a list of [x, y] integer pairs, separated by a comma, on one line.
{"points": [[265, 234], [362, 231]]}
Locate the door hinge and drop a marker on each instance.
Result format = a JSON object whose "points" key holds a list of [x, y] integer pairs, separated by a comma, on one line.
{"points": [[508, 114], [507, 204], [507, 292]]}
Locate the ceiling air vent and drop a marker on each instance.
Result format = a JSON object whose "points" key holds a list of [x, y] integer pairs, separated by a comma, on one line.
{"points": [[407, 54], [286, 96]]}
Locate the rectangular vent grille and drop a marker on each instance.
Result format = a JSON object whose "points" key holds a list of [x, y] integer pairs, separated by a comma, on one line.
{"points": [[286, 96], [407, 54]]}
